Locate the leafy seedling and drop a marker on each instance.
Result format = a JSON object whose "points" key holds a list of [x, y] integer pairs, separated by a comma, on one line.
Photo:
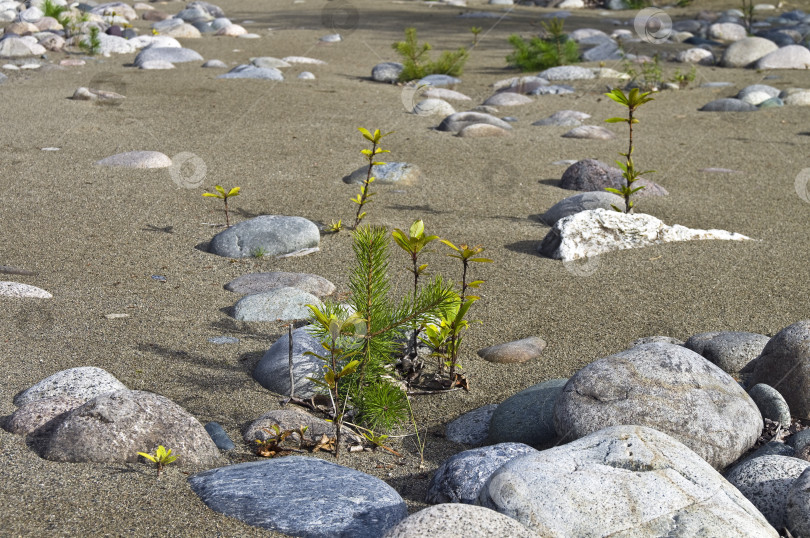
{"points": [[161, 458], [272, 446], [223, 195], [475, 31], [365, 189], [92, 44], [417, 63], [632, 102], [552, 50], [333, 227]]}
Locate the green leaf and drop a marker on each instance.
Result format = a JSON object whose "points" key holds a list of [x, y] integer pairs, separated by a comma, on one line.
{"points": [[417, 228], [234, 191], [616, 120], [349, 368], [150, 457], [212, 195], [481, 260], [220, 189], [366, 134], [614, 191]]}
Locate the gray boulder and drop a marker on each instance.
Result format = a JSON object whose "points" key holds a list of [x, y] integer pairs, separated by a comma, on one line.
{"points": [[82, 383], [519, 351], [166, 54], [621, 481], [789, 57], [293, 419], [507, 99], [396, 173], [666, 387], [581, 202], [727, 104], [746, 51], [34, 414], [528, 416], [590, 132], [797, 506], [567, 72], [564, 118], [302, 496], [259, 282], [276, 235], [451, 520], [456, 122], [766, 481], [756, 94], [253, 72], [461, 478], [471, 428], [272, 372], [591, 175], [771, 404], [785, 365], [657, 339], [114, 427], [269, 62], [277, 304], [387, 72], [730, 350], [609, 50]]}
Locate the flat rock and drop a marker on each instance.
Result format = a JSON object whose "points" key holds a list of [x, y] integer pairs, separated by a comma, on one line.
{"points": [[482, 130], [730, 350], [277, 235], [156, 65], [273, 370], [269, 62], [182, 31], [666, 387], [303, 60], [771, 404], [528, 416], [446, 94], [552, 89], [293, 419], [603, 485], [438, 81], [727, 32], [564, 118], [581, 202], [766, 481], [18, 47], [114, 427], [507, 99], [166, 54], [789, 57], [456, 122], [137, 159], [567, 72], [608, 50], [746, 51], [757, 93], [471, 428], [82, 383], [157, 41], [596, 231], [29, 417], [302, 496], [451, 520], [218, 64], [277, 304], [519, 351], [461, 478], [728, 104], [396, 173], [253, 72], [22, 291], [784, 364], [387, 72], [590, 132], [219, 436], [259, 282]]}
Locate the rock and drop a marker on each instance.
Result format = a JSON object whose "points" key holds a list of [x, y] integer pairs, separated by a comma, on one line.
{"points": [[215, 64], [219, 436], [156, 65], [797, 506], [446, 94], [773, 102], [596, 231], [114, 427], [275, 234], [588, 36], [302, 496], [22, 291], [166, 54], [784, 364], [396, 173], [772, 448], [727, 105], [433, 107], [182, 31], [730, 350], [799, 98], [696, 56], [606, 51], [137, 159], [259, 282], [293, 419], [232, 30], [766, 482], [591, 175], [194, 14], [564, 118], [518, 352], [799, 441], [604, 484], [156, 41], [53, 42], [771, 404], [528, 416], [451, 520], [669, 388], [782, 38], [757, 93], [220, 23], [790, 57], [438, 80], [331, 38], [727, 32], [272, 371], [119, 9], [36, 413], [18, 47], [567, 72], [554, 89], [269, 62], [657, 339], [522, 85], [746, 51], [471, 428], [303, 60], [278, 304], [456, 122], [461, 478], [305, 75], [387, 72], [581, 202], [83, 383], [21, 28], [112, 44], [482, 130], [211, 9], [253, 72], [508, 99], [590, 132]]}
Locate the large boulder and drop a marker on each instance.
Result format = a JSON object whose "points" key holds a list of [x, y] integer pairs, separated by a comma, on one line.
{"points": [[83, 383], [622, 481], [666, 387], [730, 350], [274, 235], [528, 416], [784, 364], [114, 427], [451, 520], [747, 51]]}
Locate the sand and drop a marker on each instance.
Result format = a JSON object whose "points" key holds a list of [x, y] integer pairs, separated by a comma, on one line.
{"points": [[95, 236]]}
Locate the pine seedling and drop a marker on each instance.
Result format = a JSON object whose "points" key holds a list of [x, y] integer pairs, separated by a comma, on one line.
{"points": [[92, 44], [475, 31], [553, 50], [417, 63], [223, 195], [365, 189], [161, 458], [632, 102]]}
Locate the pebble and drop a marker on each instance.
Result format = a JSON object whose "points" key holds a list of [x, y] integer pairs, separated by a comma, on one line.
{"points": [[303, 60], [516, 352], [482, 130], [727, 105], [567, 72], [507, 99], [331, 38], [590, 132], [166, 54], [215, 64], [276, 234], [252, 72], [219, 436], [306, 75], [269, 62], [393, 173], [564, 118], [223, 340]]}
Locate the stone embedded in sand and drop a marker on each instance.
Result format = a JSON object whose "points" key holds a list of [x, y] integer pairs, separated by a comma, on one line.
{"points": [[482, 130], [21, 28], [232, 30], [92, 94], [269, 62], [433, 107], [727, 32], [438, 80], [182, 31], [275, 304], [18, 47], [387, 72], [666, 387], [554, 89], [507, 99], [292, 419], [523, 84], [446, 94], [119, 9], [156, 65], [157, 41], [605, 484], [581, 202], [253, 72], [83, 383], [567, 72], [302, 496], [16, 289], [137, 159], [564, 118], [784, 364], [111, 44], [609, 50], [217, 64], [472, 427], [590, 132], [528, 416], [596, 231], [450, 520], [259, 282], [36, 413], [396, 173], [274, 235], [519, 351], [727, 105], [219, 436], [746, 51], [789, 57], [730, 350], [757, 93], [591, 175], [456, 122], [167, 54], [272, 371], [696, 56], [303, 60]]}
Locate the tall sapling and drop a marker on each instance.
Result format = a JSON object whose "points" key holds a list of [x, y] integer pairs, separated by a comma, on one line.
{"points": [[365, 194]]}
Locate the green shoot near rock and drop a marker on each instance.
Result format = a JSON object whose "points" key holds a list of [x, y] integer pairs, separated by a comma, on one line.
{"points": [[223, 195], [553, 50], [632, 102], [365, 189], [417, 63], [161, 458], [92, 44]]}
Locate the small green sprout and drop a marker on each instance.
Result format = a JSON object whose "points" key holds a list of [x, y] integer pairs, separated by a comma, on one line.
{"points": [[333, 227], [161, 458], [92, 44], [259, 252], [223, 195], [475, 30], [365, 194]]}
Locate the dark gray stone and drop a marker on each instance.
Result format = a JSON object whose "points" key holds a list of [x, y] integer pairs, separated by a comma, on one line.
{"points": [[276, 235], [730, 350], [438, 81], [771, 404], [259, 282], [456, 122], [302, 496], [591, 175], [553, 89], [387, 72], [461, 478], [797, 506], [219, 436], [166, 54], [253, 72], [278, 304], [528, 416], [799, 440], [785, 365], [581, 202], [273, 373], [771, 448], [727, 104], [293, 419], [83, 383], [471, 428], [608, 50]]}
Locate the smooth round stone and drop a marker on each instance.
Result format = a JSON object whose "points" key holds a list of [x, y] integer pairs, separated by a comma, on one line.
{"points": [[387, 72], [232, 30], [273, 370], [528, 416], [438, 80], [757, 93], [696, 56], [727, 31], [727, 105], [456, 122], [516, 352], [252, 72], [567, 72], [471, 428], [396, 173], [17, 47], [553, 89], [183, 31], [581, 202], [790, 57], [215, 64], [157, 41], [451, 520], [220, 23], [446, 94], [773, 102], [716, 85], [482, 130], [656, 339], [219, 436], [278, 235], [507, 99], [797, 509], [590, 132], [433, 107], [268, 62], [303, 60], [331, 38], [156, 65], [277, 304], [771, 404], [746, 51], [564, 118], [137, 159], [167, 54], [306, 75], [798, 98]]}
